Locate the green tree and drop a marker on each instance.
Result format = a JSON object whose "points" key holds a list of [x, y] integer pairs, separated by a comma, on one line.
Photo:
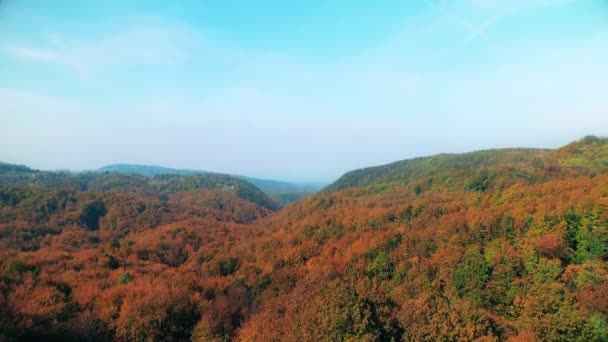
{"points": [[472, 273], [91, 213], [228, 267], [381, 266], [592, 240]]}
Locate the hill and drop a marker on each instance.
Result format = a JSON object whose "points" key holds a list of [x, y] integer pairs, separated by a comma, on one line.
{"points": [[10, 173], [6, 168], [164, 183], [514, 249], [528, 163], [282, 192], [146, 170]]}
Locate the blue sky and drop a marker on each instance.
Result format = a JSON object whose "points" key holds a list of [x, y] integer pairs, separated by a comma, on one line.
{"points": [[295, 90]]}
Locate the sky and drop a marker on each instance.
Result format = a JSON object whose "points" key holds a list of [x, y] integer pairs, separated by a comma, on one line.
{"points": [[295, 90]]}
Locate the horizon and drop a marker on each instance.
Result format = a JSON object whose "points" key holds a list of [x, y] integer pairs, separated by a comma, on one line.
{"points": [[297, 182], [295, 92]]}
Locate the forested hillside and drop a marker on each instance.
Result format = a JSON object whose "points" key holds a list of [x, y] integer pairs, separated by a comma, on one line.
{"points": [[502, 245], [282, 192], [524, 163]]}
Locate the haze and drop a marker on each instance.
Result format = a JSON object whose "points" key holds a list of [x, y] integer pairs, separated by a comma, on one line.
{"points": [[294, 91]]}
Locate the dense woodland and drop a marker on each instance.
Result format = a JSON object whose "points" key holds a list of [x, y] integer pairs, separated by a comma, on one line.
{"points": [[281, 192], [501, 245]]}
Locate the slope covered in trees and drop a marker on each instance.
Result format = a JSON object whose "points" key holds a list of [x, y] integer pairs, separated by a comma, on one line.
{"points": [[282, 192], [165, 183], [502, 245], [528, 163]]}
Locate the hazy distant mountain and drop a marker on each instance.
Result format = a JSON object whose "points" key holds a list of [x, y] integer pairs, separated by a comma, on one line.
{"points": [[106, 181], [11, 173], [146, 170], [282, 192]]}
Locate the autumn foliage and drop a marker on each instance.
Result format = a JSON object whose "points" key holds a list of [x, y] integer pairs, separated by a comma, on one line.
{"points": [[514, 248]]}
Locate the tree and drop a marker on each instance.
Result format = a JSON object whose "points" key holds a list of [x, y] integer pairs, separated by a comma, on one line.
{"points": [[471, 273], [591, 239], [91, 213]]}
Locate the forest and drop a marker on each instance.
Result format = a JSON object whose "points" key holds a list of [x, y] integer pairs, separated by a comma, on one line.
{"points": [[496, 245]]}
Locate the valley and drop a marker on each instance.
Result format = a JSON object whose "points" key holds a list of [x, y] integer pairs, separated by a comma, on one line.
{"points": [[491, 245]]}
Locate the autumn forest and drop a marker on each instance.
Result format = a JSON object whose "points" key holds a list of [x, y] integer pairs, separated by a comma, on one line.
{"points": [[494, 245]]}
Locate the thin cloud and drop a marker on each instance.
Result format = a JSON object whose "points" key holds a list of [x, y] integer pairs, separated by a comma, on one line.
{"points": [[476, 30], [514, 5], [139, 46]]}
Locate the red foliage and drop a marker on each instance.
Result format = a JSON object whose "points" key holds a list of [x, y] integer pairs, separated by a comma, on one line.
{"points": [[551, 245]]}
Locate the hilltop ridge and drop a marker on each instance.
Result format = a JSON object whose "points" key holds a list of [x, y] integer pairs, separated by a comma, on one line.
{"points": [[527, 160], [282, 192]]}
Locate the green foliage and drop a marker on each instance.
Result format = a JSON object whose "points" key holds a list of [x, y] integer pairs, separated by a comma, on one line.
{"points": [[111, 262], [281, 192], [409, 214], [106, 181], [507, 226], [19, 268], [482, 181], [381, 267], [538, 163], [261, 285], [202, 259], [15, 174], [125, 278], [228, 267], [511, 165], [593, 140], [11, 195], [8, 168], [553, 315], [325, 203], [321, 234], [597, 327], [243, 189], [586, 237], [592, 239], [348, 316], [573, 222], [472, 273], [409, 170], [547, 270], [91, 213], [590, 153]]}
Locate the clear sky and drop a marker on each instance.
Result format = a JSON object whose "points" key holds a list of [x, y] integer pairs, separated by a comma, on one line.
{"points": [[295, 90]]}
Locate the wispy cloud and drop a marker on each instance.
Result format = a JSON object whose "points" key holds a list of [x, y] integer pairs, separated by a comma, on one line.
{"points": [[128, 47], [475, 28], [479, 17], [515, 5]]}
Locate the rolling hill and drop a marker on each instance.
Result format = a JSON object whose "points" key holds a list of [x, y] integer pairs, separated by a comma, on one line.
{"points": [[146, 170], [501, 245], [528, 162], [163, 183], [282, 192]]}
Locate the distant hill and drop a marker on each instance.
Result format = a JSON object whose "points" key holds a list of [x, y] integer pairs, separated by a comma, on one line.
{"points": [[6, 168], [10, 173], [146, 170], [282, 192], [106, 181]]}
